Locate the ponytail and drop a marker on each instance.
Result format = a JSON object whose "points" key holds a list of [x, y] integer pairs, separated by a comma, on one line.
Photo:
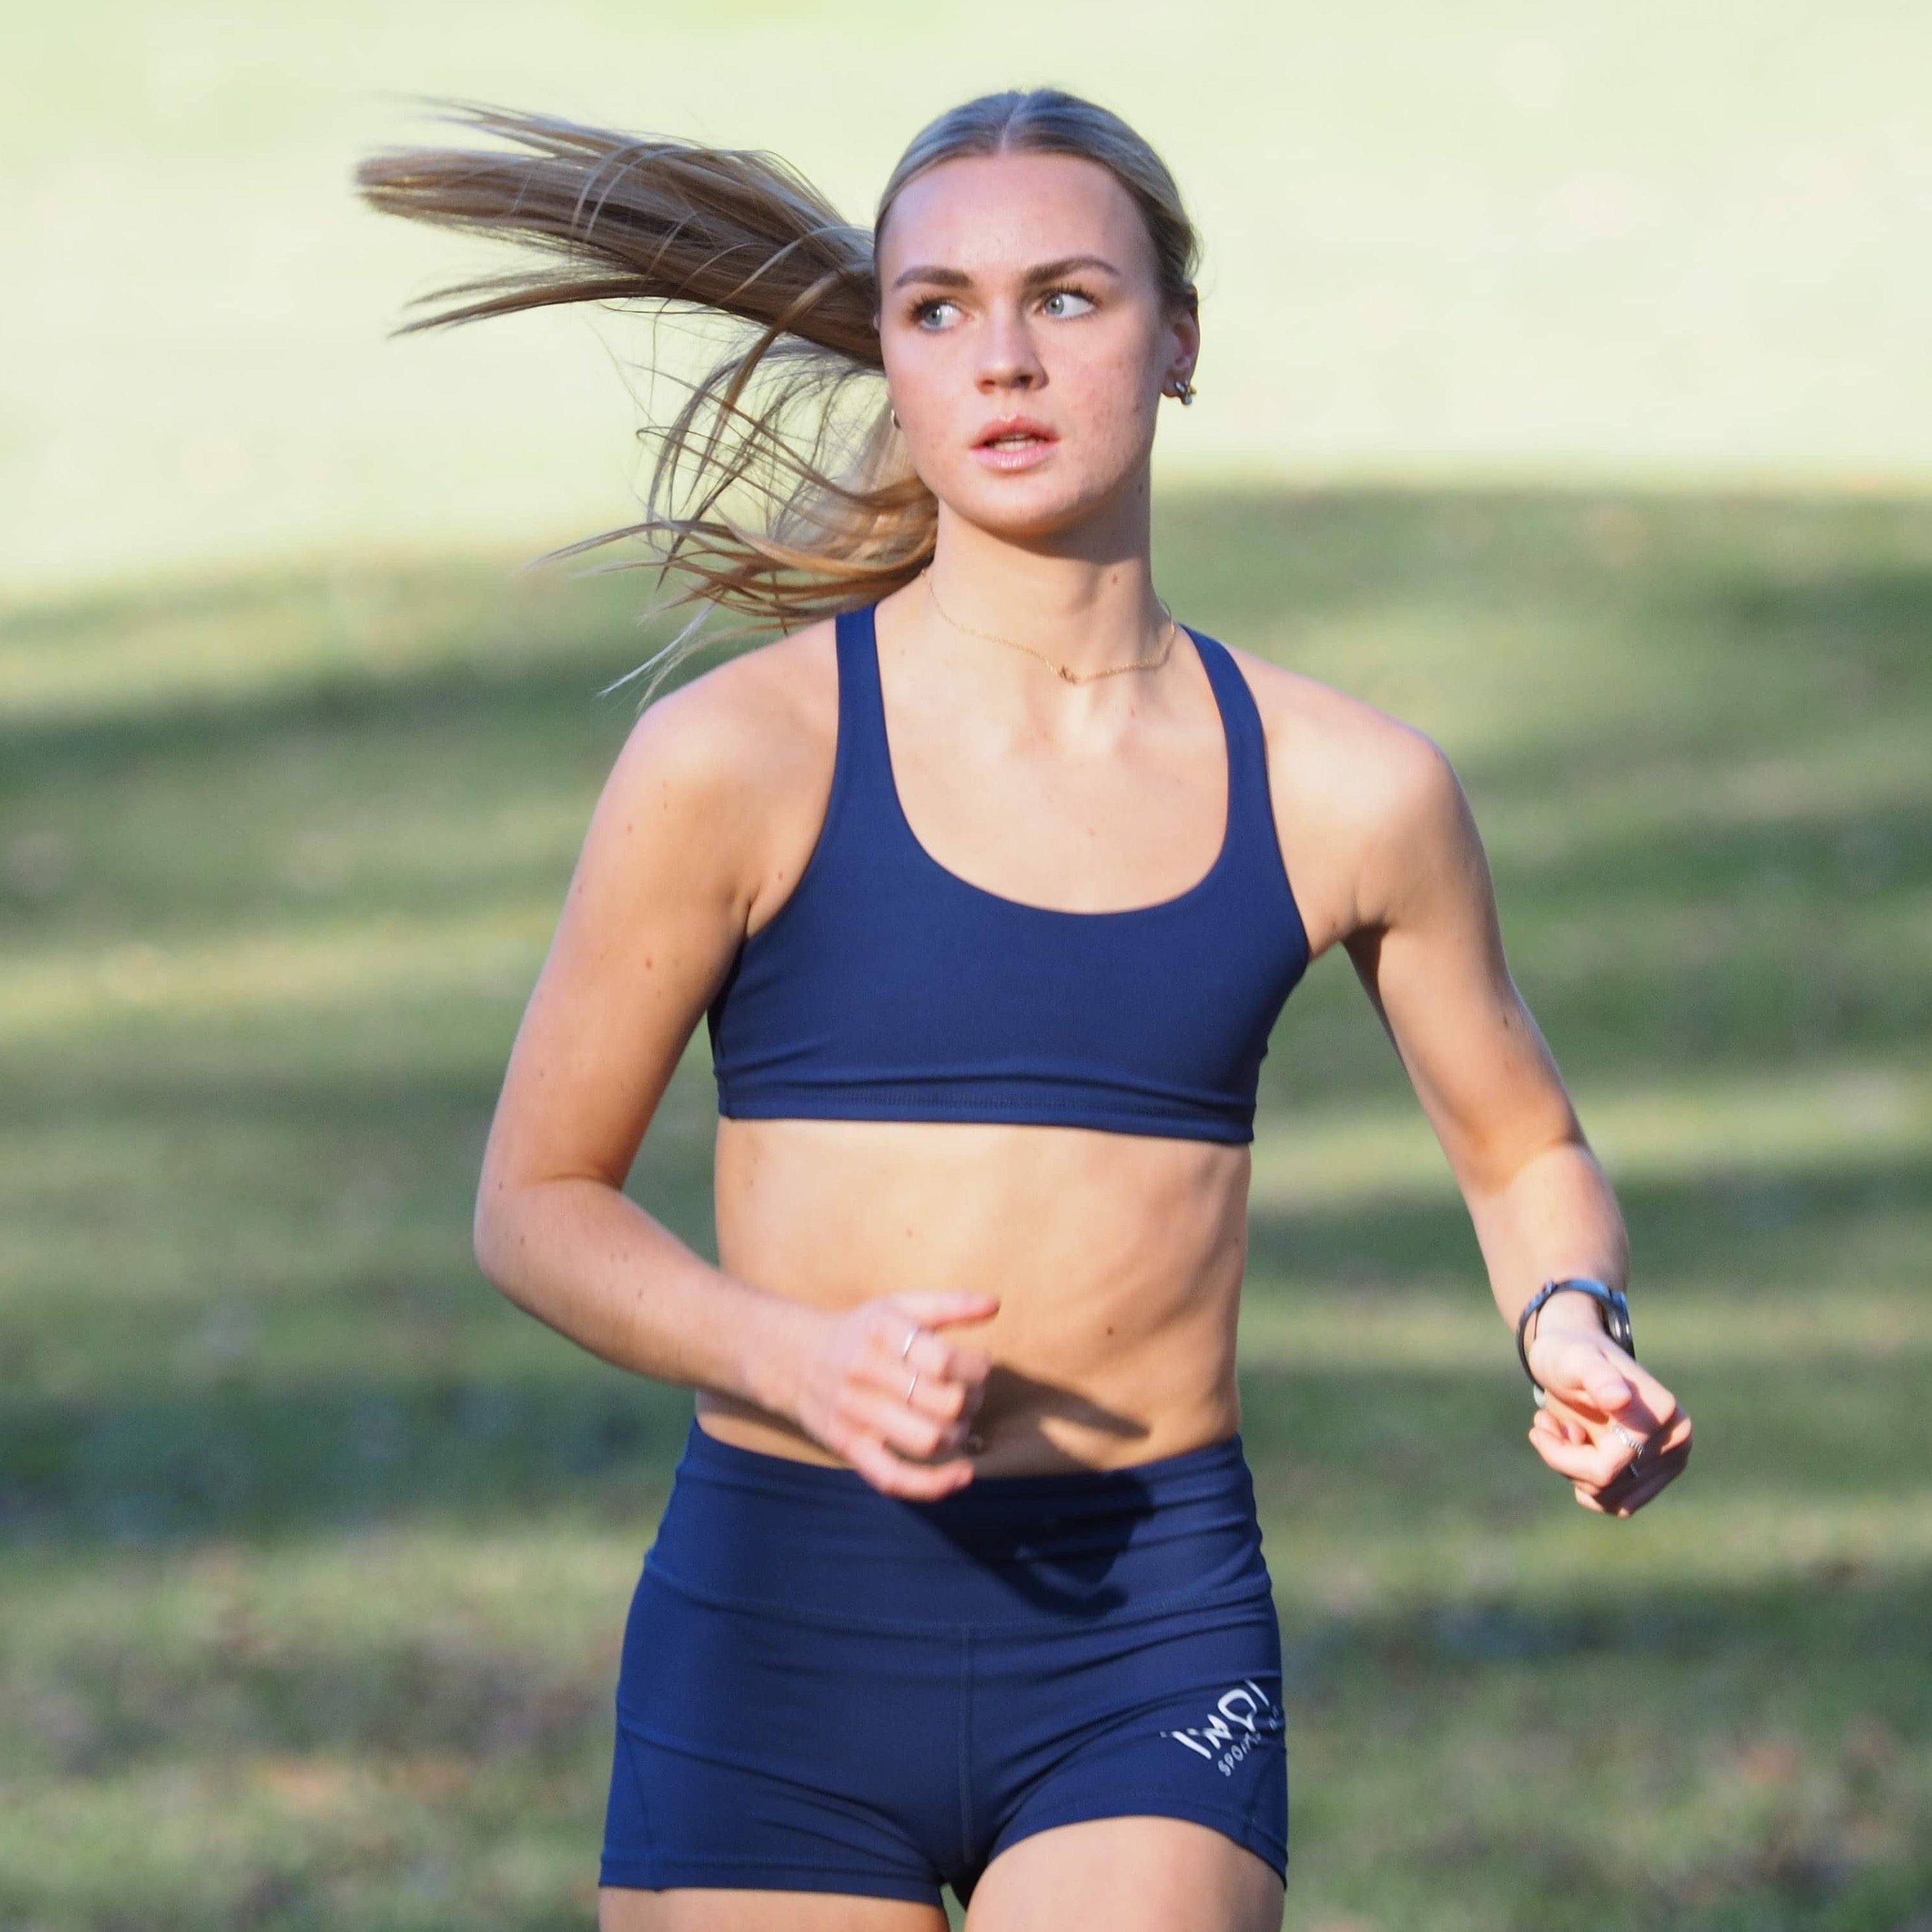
{"points": [[781, 490]]}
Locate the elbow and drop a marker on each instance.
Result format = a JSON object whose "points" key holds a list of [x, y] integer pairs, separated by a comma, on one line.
{"points": [[482, 1243], [492, 1236], [1490, 1174]]}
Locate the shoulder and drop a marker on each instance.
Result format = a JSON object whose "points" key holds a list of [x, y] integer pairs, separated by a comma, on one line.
{"points": [[728, 727], [1378, 791], [740, 734], [717, 774]]}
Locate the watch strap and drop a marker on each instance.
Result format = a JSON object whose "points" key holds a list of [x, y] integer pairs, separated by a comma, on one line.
{"points": [[1615, 1304]]}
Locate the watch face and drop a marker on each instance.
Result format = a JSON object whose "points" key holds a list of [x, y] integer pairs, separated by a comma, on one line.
{"points": [[1620, 1321]]}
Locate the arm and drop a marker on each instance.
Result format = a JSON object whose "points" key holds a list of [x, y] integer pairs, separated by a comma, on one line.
{"points": [[1428, 951], [672, 868]]}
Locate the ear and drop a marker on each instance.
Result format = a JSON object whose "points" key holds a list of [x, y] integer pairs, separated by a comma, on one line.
{"points": [[1184, 326]]}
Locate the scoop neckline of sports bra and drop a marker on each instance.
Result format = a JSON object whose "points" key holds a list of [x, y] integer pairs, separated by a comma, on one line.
{"points": [[1221, 856]]}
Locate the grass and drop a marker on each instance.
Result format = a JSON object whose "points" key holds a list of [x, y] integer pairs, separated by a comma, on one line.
{"points": [[313, 1553]]}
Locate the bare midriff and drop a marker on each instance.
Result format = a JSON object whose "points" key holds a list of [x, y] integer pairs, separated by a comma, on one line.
{"points": [[1117, 1258]]}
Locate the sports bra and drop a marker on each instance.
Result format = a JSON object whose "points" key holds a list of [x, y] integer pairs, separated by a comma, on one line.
{"points": [[887, 988]]}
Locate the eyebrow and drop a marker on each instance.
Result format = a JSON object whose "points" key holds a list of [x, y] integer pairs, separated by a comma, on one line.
{"points": [[1045, 271]]}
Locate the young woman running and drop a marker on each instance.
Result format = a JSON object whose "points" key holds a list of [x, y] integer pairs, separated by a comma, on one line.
{"points": [[989, 880]]}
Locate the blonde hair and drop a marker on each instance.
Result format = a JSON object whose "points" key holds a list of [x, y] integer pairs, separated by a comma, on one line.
{"points": [[781, 490]]}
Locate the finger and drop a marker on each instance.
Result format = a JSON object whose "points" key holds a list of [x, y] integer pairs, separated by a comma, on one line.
{"points": [[1596, 1464], [901, 1380], [1639, 1471], [1628, 1505], [1621, 1498], [1672, 1444], [960, 1361], [1587, 1368], [860, 1439], [938, 1355], [1559, 1427], [904, 1345], [1676, 1435], [1551, 1430], [1651, 1393], [910, 1431], [939, 1307], [893, 1476]]}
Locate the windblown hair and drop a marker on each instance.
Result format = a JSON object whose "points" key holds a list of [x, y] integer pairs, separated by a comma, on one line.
{"points": [[781, 489]]}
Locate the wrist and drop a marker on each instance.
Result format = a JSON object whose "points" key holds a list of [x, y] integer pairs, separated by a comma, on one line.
{"points": [[1569, 1311], [776, 1339], [1613, 1321]]}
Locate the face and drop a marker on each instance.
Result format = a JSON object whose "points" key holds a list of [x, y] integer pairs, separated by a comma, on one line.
{"points": [[1026, 342]]}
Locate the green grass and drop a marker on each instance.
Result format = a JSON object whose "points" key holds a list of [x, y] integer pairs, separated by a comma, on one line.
{"points": [[314, 1554]]}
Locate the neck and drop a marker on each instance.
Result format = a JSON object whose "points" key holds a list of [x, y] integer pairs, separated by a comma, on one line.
{"points": [[1090, 606]]}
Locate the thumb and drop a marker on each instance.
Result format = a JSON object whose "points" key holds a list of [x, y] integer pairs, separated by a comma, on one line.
{"points": [[1584, 1368], [939, 1307]]}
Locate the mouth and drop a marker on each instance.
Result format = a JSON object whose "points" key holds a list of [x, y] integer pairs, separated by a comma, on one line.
{"points": [[1016, 443]]}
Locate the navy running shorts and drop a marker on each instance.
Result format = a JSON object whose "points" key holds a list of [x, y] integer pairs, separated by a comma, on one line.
{"points": [[826, 1689]]}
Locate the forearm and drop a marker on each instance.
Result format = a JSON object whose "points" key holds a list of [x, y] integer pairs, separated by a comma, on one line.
{"points": [[1556, 1216], [586, 1260]]}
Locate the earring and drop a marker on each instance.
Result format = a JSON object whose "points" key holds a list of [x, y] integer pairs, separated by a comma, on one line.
{"points": [[1185, 390], [894, 414]]}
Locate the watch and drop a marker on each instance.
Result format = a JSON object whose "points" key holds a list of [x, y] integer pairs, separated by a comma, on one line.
{"points": [[1616, 1317]]}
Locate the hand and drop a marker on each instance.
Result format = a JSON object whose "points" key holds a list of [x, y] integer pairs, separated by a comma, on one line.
{"points": [[882, 1386], [1592, 1390]]}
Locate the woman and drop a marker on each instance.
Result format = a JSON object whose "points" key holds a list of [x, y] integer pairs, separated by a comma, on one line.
{"points": [[989, 880]]}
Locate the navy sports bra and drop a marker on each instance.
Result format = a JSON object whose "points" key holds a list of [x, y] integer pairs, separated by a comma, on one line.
{"points": [[887, 988]]}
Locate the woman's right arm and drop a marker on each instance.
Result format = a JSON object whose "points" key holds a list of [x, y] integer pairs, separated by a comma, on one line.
{"points": [[682, 854]]}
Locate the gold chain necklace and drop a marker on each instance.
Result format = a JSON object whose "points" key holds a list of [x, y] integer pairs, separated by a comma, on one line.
{"points": [[1060, 669]]}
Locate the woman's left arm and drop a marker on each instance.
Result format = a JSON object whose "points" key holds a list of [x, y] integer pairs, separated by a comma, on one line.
{"points": [[1427, 947]]}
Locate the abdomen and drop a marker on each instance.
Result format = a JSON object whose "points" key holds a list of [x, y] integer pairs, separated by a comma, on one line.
{"points": [[1117, 1260]]}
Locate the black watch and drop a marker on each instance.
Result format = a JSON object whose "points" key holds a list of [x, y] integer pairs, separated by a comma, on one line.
{"points": [[1616, 1317]]}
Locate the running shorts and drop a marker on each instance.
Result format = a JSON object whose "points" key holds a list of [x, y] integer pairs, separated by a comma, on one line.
{"points": [[826, 1689]]}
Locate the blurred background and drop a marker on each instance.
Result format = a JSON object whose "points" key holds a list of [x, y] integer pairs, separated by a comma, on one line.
{"points": [[1565, 392]]}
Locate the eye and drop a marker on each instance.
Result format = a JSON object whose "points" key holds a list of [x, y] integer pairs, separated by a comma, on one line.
{"points": [[1063, 297], [923, 312]]}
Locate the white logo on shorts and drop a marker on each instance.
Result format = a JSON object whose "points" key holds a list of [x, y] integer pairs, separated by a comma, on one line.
{"points": [[1247, 1705]]}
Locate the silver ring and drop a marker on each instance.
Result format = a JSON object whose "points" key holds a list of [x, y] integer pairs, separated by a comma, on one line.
{"points": [[912, 1384], [1630, 1442], [917, 1331]]}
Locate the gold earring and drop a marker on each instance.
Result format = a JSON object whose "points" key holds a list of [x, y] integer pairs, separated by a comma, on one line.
{"points": [[894, 414]]}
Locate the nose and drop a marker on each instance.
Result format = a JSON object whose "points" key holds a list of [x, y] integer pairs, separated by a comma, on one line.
{"points": [[1008, 359]]}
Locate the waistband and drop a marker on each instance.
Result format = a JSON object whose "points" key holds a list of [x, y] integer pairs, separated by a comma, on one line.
{"points": [[814, 1541]]}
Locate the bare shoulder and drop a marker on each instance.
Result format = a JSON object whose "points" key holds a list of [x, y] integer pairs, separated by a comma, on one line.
{"points": [[745, 724], [729, 772], [1363, 758], [1360, 794]]}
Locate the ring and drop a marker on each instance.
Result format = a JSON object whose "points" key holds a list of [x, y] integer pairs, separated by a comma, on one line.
{"points": [[1632, 1443], [917, 1331], [912, 1384]]}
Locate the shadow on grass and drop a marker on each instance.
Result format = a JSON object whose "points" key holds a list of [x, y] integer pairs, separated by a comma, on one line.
{"points": [[255, 1452], [1715, 632], [1737, 1227], [425, 742]]}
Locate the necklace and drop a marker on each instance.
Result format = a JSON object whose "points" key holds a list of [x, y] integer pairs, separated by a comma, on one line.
{"points": [[1059, 670]]}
